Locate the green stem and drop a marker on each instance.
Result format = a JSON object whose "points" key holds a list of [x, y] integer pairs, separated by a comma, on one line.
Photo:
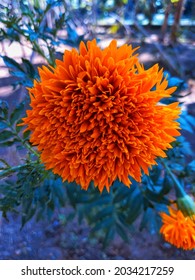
{"points": [[27, 146], [178, 187], [41, 52], [22, 140], [11, 170]]}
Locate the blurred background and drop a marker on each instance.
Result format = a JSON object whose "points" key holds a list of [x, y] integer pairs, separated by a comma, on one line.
{"points": [[33, 33]]}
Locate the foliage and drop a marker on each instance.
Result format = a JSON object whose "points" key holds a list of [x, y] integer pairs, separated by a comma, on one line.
{"points": [[30, 24], [34, 192]]}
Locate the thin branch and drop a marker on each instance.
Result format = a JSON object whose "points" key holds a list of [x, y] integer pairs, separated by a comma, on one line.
{"points": [[13, 169], [164, 56]]}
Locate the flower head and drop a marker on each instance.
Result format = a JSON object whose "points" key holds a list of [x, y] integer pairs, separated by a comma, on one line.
{"points": [[96, 116], [179, 230], [186, 204]]}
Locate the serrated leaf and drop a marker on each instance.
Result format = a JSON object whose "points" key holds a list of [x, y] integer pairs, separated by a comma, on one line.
{"points": [[122, 232], [109, 236], [5, 163], [156, 197], [176, 166], [151, 221], [3, 125], [18, 74], [4, 107], [59, 192], [19, 127], [5, 135], [187, 122], [12, 64], [98, 201], [155, 174], [29, 68], [103, 224], [27, 216], [9, 143], [122, 191], [40, 213], [135, 206], [191, 165], [167, 185], [26, 208], [50, 213], [16, 114], [26, 134], [145, 218], [175, 82], [106, 211]]}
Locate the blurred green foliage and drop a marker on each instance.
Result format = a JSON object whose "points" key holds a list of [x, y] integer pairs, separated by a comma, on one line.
{"points": [[34, 192]]}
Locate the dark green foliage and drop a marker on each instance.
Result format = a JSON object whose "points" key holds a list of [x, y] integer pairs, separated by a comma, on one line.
{"points": [[3, 109], [10, 131], [108, 213], [34, 192], [25, 74], [31, 24], [187, 122]]}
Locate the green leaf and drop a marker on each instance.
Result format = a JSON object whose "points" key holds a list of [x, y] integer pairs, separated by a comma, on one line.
{"points": [[122, 192], [109, 236], [187, 121], [26, 134], [16, 114], [60, 194], [98, 200], [9, 143], [40, 213], [106, 211], [151, 220], [12, 64], [28, 215], [5, 135], [4, 107], [145, 218], [5, 163], [122, 232], [19, 128], [135, 203], [29, 68], [191, 165], [176, 166], [103, 224], [155, 174], [156, 197], [3, 125], [167, 185]]}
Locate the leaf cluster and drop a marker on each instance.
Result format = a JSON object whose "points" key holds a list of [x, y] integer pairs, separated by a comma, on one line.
{"points": [[32, 191], [40, 27]]}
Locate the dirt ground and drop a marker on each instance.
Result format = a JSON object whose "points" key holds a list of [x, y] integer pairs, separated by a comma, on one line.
{"points": [[52, 240]]}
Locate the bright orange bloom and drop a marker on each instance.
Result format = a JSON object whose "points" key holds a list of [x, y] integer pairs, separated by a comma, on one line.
{"points": [[96, 116], [178, 229]]}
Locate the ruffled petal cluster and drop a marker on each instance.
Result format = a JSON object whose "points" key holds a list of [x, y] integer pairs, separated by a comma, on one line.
{"points": [[96, 116], [178, 229]]}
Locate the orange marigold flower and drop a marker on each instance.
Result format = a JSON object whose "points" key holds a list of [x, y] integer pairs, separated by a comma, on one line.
{"points": [[96, 116], [178, 229]]}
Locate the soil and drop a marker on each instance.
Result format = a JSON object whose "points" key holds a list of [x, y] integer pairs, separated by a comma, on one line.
{"points": [[55, 241]]}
